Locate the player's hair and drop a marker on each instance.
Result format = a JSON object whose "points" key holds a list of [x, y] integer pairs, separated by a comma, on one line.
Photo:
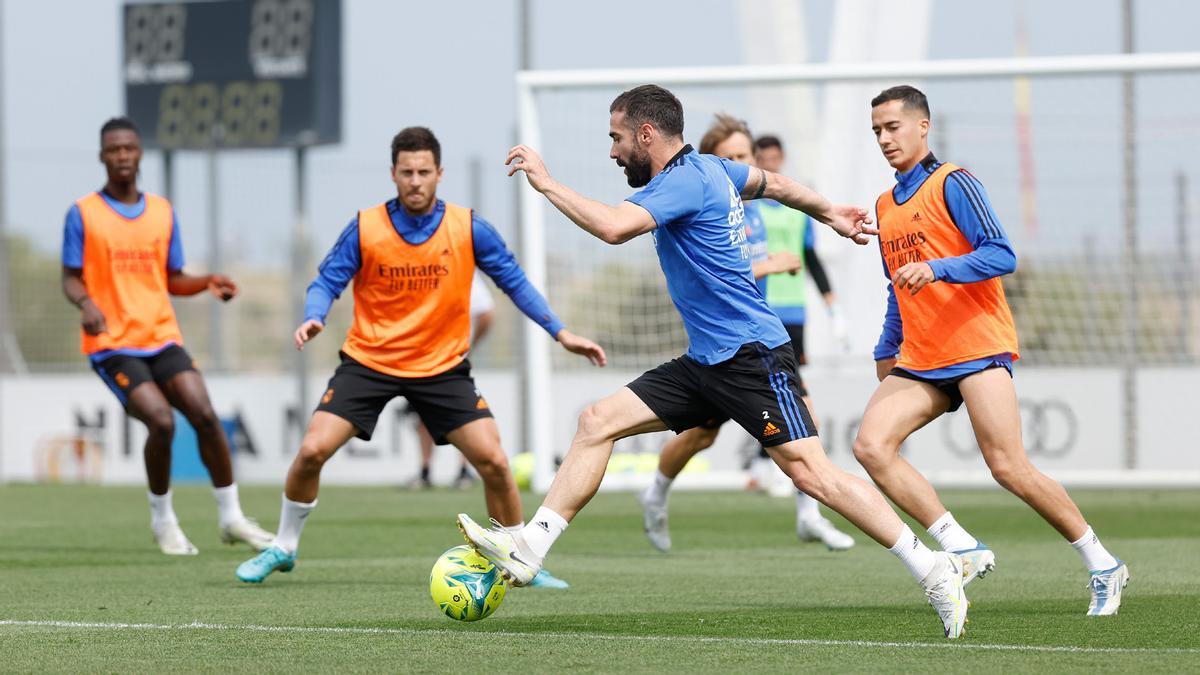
{"points": [[911, 96], [651, 103], [117, 124], [415, 139], [767, 142], [724, 127]]}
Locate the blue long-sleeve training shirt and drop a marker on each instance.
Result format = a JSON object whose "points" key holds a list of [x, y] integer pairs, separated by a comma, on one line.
{"points": [[972, 212], [491, 255]]}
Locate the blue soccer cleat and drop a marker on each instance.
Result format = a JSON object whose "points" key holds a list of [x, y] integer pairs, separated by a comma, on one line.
{"points": [[544, 579], [258, 568], [977, 562], [1106, 587]]}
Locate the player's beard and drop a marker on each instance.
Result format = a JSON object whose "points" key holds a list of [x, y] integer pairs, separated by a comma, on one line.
{"points": [[637, 169]]}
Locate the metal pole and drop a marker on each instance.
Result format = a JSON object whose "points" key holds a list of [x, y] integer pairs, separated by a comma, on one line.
{"points": [[10, 352], [1184, 281], [216, 348], [299, 269], [1129, 152], [524, 51]]}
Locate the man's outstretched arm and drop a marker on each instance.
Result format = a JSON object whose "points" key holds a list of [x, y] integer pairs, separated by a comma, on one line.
{"points": [[611, 224], [851, 222]]}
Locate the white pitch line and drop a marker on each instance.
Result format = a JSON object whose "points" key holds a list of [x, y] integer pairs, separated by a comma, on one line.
{"points": [[417, 632]]}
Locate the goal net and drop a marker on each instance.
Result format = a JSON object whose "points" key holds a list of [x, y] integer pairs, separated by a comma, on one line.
{"points": [[1100, 212]]}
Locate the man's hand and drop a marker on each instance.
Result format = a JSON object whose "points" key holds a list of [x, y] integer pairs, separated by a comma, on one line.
{"points": [[883, 367], [222, 287], [307, 331], [784, 261], [582, 346], [91, 318], [525, 158], [913, 276], [852, 222]]}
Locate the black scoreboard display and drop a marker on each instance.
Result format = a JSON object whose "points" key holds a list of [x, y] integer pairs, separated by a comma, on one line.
{"points": [[234, 73]]}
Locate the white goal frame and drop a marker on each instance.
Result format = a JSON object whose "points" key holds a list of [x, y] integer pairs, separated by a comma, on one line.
{"points": [[536, 363]]}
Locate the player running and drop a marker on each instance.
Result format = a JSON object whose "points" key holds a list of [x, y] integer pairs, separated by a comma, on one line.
{"points": [[948, 339], [122, 259], [739, 363], [412, 259], [730, 138]]}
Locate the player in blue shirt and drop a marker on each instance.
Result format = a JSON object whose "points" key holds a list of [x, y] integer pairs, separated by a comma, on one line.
{"points": [[738, 364], [730, 138]]}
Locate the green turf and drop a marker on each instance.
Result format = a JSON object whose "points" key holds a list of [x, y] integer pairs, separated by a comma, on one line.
{"points": [[738, 593]]}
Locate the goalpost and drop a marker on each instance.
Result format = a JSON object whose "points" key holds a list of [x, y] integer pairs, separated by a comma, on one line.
{"points": [[1103, 310]]}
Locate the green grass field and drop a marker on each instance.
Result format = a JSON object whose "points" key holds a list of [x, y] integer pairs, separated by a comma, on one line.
{"points": [[83, 588]]}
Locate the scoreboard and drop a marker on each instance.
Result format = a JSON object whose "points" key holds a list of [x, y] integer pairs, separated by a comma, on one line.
{"points": [[234, 73]]}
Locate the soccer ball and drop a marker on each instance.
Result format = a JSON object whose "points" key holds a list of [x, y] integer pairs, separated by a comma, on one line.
{"points": [[465, 585]]}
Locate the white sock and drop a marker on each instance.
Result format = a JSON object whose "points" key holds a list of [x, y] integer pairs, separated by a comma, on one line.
{"points": [[659, 489], [1095, 556], [950, 535], [915, 555], [291, 523], [162, 513], [229, 507], [540, 533], [513, 528], [807, 508]]}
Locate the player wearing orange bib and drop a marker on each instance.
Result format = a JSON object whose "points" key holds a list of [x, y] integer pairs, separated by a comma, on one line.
{"points": [[412, 260], [949, 339], [122, 260]]}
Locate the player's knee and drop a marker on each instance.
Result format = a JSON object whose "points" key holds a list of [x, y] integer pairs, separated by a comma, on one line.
{"points": [[1011, 475], [205, 420], [492, 468], [161, 425], [593, 423], [705, 438], [872, 452], [312, 456]]}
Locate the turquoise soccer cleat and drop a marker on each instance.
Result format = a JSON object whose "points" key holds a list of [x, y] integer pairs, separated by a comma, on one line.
{"points": [[544, 579], [977, 562], [258, 568]]}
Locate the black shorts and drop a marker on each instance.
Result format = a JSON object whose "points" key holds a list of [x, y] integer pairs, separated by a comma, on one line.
{"points": [[758, 388], [124, 372], [796, 332], [443, 402], [946, 385]]}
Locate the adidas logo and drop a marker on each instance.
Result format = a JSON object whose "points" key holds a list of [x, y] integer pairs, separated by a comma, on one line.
{"points": [[481, 404], [770, 429], [445, 251], [544, 525], [917, 215]]}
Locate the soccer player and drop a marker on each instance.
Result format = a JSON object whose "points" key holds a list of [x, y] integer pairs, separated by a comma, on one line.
{"points": [[412, 260], [122, 259], [730, 138], [739, 363], [948, 339], [790, 230], [483, 311]]}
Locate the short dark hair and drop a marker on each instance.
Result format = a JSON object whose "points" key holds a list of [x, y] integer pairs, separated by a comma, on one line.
{"points": [[911, 96], [415, 139], [651, 103], [767, 142], [117, 124]]}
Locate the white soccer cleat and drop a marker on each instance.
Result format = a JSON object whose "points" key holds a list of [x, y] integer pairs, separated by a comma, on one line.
{"points": [[654, 520], [172, 541], [507, 550], [1106, 587], [820, 529], [248, 531], [977, 562], [945, 593]]}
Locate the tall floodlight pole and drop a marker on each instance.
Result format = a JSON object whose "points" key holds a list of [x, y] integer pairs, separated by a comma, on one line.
{"points": [[299, 270], [10, 352], [216, 347], [1130, 355]]}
